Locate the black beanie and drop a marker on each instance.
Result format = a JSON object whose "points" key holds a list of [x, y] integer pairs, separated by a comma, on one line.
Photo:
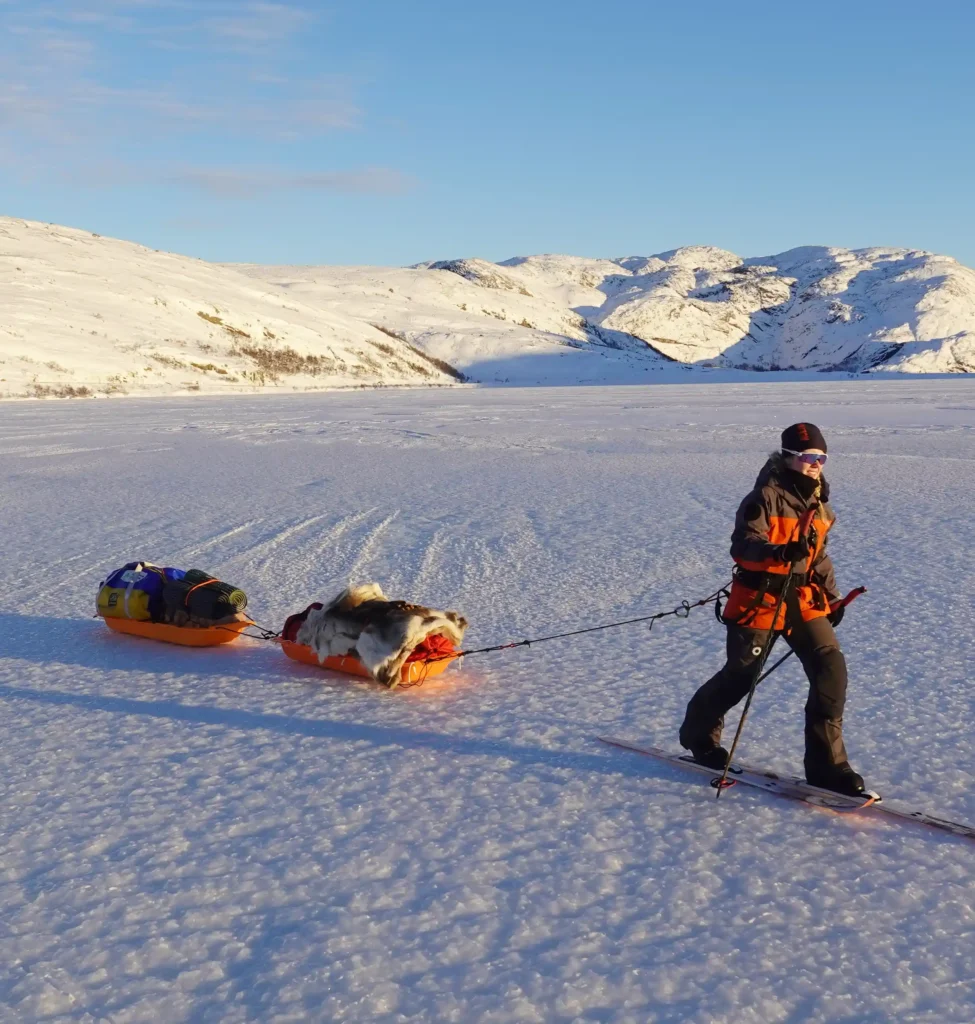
{"points": [[800, 437]]}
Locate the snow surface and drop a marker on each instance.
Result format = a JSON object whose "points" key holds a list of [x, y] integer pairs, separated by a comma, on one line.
{"points": [[223, 835], [82, 315]]}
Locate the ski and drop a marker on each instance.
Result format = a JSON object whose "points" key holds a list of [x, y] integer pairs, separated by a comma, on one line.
{"points": [[795, 788]]}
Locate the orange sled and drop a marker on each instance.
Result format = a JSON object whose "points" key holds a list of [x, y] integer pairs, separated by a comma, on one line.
{"points": [[412, 671], [186, 636]]}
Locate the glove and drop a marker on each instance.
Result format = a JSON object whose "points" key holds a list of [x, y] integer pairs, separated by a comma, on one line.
{"points": [[836, 615], [795, 550]]}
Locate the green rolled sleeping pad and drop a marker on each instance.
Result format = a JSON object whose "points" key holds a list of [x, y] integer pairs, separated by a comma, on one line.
{"points": [[213, 601]]}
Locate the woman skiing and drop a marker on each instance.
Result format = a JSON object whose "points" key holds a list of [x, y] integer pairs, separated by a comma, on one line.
{"points": [[773, 555]]}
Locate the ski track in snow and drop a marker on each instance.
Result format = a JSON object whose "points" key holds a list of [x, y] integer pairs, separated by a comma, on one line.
{"points": [[223, 835]]}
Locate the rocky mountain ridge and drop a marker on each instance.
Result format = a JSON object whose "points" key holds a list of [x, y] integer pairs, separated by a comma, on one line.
{"points": [[83, 315]]}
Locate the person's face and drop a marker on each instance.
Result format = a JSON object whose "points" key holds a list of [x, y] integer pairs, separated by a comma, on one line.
{"points": [[798, 464]]}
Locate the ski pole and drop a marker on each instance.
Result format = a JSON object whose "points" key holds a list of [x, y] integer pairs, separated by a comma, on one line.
{"points": [[802, 529]]}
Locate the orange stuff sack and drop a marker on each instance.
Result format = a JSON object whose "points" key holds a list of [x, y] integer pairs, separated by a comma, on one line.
{"points": [[433, 647]]}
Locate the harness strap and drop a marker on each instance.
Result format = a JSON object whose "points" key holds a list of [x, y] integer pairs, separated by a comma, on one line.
{"points": [[769, 582], [717, 604], [139, 567], [196, 586], [820, 543]]}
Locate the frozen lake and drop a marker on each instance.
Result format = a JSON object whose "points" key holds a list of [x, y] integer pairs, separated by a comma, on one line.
{"points": [[223, 835]]}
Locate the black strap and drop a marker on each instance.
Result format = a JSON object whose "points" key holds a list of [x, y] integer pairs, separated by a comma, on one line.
{"points": [[717, 605], [763, 582]]}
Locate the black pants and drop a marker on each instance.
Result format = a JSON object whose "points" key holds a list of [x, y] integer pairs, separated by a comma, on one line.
{"points": [[816, 647]]}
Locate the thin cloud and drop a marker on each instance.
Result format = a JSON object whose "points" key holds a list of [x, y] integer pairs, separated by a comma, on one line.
{"points": [[54, 86], [232, 183], [64, 112], [197, 223], [257, 25], [62, 48]]}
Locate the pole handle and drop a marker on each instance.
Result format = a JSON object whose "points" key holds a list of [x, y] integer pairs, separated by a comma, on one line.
{"points": [[849, 599]]}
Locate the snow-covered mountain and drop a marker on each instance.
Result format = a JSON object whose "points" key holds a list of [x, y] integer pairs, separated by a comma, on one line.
{"points": [[80, 314], [812, 308], [808, 308]]}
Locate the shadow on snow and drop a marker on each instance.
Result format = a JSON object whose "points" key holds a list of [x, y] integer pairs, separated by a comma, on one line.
{"points": [[89, 644], [323, 728]]}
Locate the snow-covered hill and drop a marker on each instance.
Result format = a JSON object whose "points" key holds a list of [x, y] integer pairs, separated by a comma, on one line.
{"points": [[80, 314]]}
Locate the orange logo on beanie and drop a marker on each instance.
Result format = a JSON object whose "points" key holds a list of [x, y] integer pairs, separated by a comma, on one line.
{"points": [[802, 431]]}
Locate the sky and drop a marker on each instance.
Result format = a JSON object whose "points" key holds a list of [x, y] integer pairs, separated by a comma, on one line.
{"points": [[384, 132]]}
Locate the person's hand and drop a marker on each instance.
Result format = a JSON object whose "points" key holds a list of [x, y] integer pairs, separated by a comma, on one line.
{"points": [[795, 550], [836, 615]]}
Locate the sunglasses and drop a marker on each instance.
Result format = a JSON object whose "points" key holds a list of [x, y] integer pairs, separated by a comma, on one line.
{"points": [[808, 458]]}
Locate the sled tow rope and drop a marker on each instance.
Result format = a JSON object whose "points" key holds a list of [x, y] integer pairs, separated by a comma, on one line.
{"points": [[682, 611]]}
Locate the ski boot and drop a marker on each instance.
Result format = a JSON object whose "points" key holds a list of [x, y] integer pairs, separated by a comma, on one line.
{"points": [[840, 778], [711, 757]]}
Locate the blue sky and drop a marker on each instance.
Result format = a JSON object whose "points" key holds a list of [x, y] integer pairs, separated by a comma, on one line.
{"points": [[392, 131]]}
